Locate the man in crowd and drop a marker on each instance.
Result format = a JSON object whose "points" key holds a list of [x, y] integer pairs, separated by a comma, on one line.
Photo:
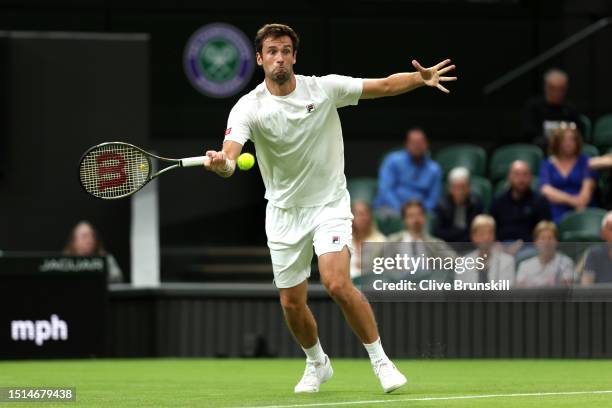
{"points": [[415, 238], [497, 264], [598, 262], [457, 208], [409, 175], [519, 209], [543, 114]]}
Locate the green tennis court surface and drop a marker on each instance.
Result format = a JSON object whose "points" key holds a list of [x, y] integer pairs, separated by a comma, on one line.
{"points": [[266, 383]]}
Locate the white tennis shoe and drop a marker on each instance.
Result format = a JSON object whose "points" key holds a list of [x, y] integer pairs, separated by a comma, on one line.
{"points": [[315, 374], [390, 377]]}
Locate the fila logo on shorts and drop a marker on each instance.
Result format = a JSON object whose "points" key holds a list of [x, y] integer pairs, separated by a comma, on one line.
{"points": [[335, 239], [310, 107]]}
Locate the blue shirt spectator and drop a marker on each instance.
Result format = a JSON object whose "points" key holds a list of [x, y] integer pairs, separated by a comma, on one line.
{"points": [[565, 177], [409, 175]]}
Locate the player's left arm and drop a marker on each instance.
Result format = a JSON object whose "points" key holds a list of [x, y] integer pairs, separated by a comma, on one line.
{"points": [[400, 83]]}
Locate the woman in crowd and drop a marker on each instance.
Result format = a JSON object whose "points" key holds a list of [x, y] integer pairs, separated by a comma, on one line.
{"points": [[364, 230], [84, 241], [565, 178], [548, 267]]}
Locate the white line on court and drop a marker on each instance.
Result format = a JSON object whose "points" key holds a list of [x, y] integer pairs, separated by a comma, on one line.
{"points": [[456, 397]]}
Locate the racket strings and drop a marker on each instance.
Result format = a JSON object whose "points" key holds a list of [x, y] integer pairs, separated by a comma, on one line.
{"points": [[114, 170]]}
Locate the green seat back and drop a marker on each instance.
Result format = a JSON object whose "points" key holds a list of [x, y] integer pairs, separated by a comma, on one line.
{"points": [[590, 150], [584, 226], [362, 189], [504, 156], [602, 133], [482, 187], [587, 126], [471, 157]]}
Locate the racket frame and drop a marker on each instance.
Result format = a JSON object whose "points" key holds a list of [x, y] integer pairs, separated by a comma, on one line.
{"points": [[186, 162]]}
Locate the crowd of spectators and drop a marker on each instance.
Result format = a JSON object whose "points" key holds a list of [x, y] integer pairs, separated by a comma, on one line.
{"points": [[518, 233]]}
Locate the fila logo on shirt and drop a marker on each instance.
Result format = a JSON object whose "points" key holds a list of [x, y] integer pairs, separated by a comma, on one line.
{"points": [[228, 131], [335, 239], [310, 107]]}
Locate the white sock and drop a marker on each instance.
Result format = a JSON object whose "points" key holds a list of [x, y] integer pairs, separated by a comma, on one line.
{"points": [[375, 351], [315, 353]]}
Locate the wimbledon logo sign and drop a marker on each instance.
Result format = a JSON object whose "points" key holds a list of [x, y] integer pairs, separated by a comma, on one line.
{"points": [[218, 60]]}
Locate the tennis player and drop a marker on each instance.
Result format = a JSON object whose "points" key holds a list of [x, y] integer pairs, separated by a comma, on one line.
{"points": [[293, 122]]}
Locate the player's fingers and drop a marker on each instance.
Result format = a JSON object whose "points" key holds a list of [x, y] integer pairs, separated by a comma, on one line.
{"points": [[418, 66], [443, 89], [446, 69], [441, 64], [446, 79]]}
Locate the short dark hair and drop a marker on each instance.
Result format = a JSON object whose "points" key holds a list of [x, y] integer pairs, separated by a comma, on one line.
{"points": [[275, 31], [412, 203], [415, 129]]}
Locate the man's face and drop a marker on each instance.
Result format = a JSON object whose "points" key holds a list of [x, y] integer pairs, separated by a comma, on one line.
{"points": [[519, 177], [459, 191], [606, 232], [416, 144], [414, 219], [555, 89], [277, 58], [546, 242], [483, 237]]}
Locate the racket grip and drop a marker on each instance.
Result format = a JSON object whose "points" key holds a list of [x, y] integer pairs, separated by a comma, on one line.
{"points": [[195, 161]]}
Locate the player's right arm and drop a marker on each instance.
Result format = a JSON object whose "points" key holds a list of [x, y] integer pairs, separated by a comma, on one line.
{"points": [[237, 133], [223, 162]]}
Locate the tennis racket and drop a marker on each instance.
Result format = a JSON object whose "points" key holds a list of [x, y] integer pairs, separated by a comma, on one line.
{"points": [[116, 170]]}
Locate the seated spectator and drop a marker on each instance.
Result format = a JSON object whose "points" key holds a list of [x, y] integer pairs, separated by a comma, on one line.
{"points": [[418, 241], [84, 241], [518, 209], [598, 262], [549, 267], [457, 208], [603, 164], [415, 221], [409, 175], [565, 178], [544, 114], [364, 230], [497, 264]]}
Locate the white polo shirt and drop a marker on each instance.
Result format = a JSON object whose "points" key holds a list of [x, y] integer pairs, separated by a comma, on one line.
{"points": [[298, 138]]}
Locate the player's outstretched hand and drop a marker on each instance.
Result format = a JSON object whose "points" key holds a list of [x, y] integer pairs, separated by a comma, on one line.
{"points": [[432, 76], [217, 160]]}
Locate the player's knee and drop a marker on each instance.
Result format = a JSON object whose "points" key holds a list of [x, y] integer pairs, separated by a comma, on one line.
{"points": [[292, 304], [339, 289]]}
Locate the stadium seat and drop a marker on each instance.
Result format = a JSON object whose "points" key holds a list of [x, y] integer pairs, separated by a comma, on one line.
{"points": [[590, 150], [602, 134], [502, 185], [587, 126], [362, 189], [582, 226], [505, 155], [431, 222], [389, 224], [482, 187], [469, 156]]}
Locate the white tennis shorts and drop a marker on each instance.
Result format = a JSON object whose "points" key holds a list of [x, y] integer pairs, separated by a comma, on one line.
{"points": [[292, 232]]}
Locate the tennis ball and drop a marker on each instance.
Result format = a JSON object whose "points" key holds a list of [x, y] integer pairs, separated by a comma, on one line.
{"points": [[245, 161]]}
